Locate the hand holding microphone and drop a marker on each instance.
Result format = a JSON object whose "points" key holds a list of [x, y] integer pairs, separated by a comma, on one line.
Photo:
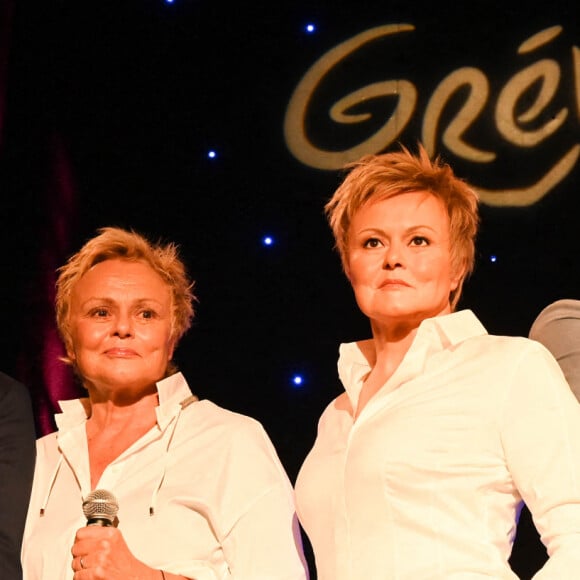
{"points": [[100, 508], [100, 548]]}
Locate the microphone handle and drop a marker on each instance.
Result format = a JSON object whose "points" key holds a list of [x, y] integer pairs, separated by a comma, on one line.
{"points": [[102, 522]]}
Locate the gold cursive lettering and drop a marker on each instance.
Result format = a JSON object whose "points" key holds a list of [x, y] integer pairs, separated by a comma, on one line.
{"points": [[547, 72], [534, 87], [294, 123], [519, 197], [453, 135]]}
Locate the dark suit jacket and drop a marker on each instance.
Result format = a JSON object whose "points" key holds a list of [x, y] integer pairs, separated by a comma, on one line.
{"points": [[17, 455]]}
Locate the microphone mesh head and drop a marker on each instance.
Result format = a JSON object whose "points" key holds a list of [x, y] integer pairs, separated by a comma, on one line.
{"points": [[101, 504]]}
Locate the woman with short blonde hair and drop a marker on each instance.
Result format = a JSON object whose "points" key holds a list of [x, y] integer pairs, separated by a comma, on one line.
{"points": [[421, 466], [201, 493]]}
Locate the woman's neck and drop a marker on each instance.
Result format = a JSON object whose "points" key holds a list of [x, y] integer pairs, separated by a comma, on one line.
{"points": [[117, 415], [111, 429], [389, 347], [392, 342]]}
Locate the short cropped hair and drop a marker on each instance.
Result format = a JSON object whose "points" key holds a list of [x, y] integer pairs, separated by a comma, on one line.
{"points": [[113, 243], [378, 177]]}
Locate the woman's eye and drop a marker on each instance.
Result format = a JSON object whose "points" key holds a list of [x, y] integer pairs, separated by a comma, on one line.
{"points": [[372, 243], [419, 241], [147, 314], [99, 312]]}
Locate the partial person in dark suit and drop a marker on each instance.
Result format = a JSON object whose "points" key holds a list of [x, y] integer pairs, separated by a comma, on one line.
{"points": [[17, 453]]}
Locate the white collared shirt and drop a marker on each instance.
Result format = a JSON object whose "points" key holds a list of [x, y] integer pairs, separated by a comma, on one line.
{"points": [[221, 501], [426, 484]]}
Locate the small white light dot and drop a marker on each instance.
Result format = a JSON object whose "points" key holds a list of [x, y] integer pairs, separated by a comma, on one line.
{"points": [[493, 258], [297, 380], [267, 240], [310, 28], [211, 154]]}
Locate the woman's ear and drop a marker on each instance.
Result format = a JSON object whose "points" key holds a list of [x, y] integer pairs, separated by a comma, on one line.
{"points": [[70, 351], [172, 345], [457, 274], [346, 267]]}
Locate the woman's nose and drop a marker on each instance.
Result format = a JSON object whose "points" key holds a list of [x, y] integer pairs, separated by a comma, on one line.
{"points": [[393, 257], [123, 326]]}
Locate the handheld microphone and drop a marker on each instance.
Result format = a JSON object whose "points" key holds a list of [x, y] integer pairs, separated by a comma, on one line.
{"points": [[100, 508]]}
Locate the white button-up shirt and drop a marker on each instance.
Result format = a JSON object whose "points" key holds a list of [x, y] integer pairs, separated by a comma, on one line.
{"points": [[202, 494], [426, 484]]}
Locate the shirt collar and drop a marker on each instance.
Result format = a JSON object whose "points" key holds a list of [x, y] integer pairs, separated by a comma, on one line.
{"points": [[173, 393], [456, 327], [433, 335]]}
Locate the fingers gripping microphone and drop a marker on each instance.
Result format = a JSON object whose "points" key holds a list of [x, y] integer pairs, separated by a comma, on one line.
{"points": [[100, 508]]}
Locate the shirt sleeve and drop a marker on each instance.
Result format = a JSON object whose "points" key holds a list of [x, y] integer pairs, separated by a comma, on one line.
{"points": [[540, 430], [262, 541], [17, 453]]}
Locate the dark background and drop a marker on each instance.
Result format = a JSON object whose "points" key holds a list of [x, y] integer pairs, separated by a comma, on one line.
{"points": [[109, 111]]}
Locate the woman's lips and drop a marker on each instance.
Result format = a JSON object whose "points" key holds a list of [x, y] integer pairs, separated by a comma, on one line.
{"points": [[393, 283], [121, 352]]}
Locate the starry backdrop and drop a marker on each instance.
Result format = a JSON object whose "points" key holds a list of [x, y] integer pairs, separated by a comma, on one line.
{"points": [[169, 118]]}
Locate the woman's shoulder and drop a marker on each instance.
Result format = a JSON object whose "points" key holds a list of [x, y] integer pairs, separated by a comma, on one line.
{"points": [[516, 355], [211, 417], [503, 344], [232, 437], [48, 440], [47, 449]]}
